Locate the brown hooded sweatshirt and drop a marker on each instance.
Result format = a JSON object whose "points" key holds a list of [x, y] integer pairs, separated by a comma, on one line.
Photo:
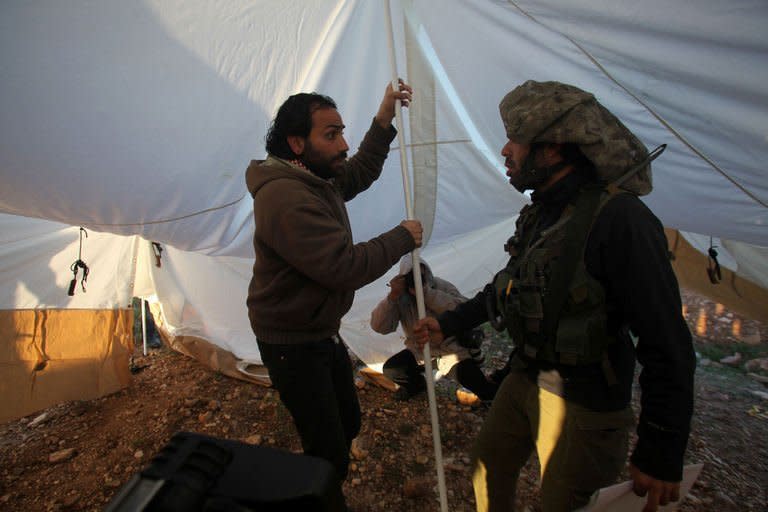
{"points": [[307, 267]]}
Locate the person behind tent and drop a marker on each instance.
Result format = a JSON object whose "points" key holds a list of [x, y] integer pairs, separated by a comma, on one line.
{"points": [[458, 356], [307, 267], [588, 265]]}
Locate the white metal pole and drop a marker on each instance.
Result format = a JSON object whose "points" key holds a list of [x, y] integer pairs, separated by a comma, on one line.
{"points": [[144, 326], [417, 271]]}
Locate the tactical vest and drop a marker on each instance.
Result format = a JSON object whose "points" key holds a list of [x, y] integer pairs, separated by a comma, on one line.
{"points": [[553, 309]]}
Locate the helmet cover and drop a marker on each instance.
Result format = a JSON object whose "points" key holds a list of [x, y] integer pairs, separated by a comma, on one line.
{"points": [[557, 113]]}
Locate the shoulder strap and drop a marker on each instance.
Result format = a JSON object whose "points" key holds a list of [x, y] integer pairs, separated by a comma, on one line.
{"points": [[585, 209]]}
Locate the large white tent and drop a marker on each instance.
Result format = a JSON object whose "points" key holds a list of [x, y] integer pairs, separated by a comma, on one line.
{"points": [[136, 120]]}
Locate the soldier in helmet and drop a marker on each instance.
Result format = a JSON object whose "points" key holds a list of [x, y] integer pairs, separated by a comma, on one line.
{"points": [[587, 290]]}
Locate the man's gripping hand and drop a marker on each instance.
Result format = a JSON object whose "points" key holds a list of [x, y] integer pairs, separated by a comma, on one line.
{"points": [[427, 330], [659, 492], [415, 229], [386, 112]]}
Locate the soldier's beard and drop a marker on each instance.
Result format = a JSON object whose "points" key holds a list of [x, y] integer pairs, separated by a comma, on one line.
{"points": [[529, 176]]}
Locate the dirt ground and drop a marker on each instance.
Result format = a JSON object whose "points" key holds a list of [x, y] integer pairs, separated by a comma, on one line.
{"points": [[77, 455]]}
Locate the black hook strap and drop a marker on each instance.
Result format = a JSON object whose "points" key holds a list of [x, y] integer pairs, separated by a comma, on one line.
{"points": [[158, 250], [713, 267], [79, 264]]}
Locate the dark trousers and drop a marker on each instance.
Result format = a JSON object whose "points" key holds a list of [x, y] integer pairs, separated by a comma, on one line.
{"points": [[469, 375], [403, 369], [315, 384]]}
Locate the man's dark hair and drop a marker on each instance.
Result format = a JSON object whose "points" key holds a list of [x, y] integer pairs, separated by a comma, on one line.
{"points": [[294, 118], [410, 281]]}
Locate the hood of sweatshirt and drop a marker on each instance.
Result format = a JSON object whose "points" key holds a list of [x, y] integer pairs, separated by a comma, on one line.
{"points": [[261, 172]]}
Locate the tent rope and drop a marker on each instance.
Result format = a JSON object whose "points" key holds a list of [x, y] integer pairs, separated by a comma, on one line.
{"points": [[172, 219], [647, 107]]}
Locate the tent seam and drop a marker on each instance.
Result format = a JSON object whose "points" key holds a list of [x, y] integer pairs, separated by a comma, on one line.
{"points": [[432, 143], [172, 219]]}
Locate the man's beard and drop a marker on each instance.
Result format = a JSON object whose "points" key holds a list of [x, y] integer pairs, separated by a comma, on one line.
{"points": [[530, 176], [321, 166]]}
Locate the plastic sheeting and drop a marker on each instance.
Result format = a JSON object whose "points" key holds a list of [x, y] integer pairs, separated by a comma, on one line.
{"points": [[140, 118], [748, 297], [136, 120], [36, 259]]}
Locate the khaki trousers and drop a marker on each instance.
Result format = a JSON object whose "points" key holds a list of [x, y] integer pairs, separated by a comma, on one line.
{"points": [[579, 450]]}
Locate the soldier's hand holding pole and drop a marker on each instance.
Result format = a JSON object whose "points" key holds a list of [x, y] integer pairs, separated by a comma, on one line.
{"points": [[427, 330]]}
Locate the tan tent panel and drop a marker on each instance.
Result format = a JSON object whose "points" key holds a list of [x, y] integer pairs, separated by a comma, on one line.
{"points": [[225, 362], [210, 354], [50, 356], [218, 359], [733, 291]]}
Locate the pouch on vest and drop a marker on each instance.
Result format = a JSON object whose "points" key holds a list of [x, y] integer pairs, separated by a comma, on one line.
{"points": [[581, 332], [503, 288], [530, 307]]}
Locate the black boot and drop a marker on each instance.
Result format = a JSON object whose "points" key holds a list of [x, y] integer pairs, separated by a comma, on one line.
{"points": [[469, 375]]}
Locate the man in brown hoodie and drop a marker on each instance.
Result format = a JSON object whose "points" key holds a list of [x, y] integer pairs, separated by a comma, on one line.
{"points": [[307, 266]]}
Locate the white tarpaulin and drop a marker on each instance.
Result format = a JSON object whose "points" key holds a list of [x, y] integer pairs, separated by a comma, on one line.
{"points": [[136, 120]]}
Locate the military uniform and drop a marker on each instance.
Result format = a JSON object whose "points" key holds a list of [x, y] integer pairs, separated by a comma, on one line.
{"points": [[588, 266]]}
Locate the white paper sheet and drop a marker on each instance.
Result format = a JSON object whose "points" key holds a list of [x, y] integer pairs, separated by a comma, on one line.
{"points": [[621, 498]]}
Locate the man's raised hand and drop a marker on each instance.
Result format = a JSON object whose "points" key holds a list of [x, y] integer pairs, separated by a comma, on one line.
{"points": [[386, 112]]}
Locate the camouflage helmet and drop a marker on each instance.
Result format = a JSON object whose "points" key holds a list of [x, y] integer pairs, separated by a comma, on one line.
{"points": [[552, 112]]}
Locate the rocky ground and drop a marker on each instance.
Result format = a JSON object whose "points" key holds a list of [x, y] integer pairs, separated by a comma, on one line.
{"points": [[77, 455]]}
